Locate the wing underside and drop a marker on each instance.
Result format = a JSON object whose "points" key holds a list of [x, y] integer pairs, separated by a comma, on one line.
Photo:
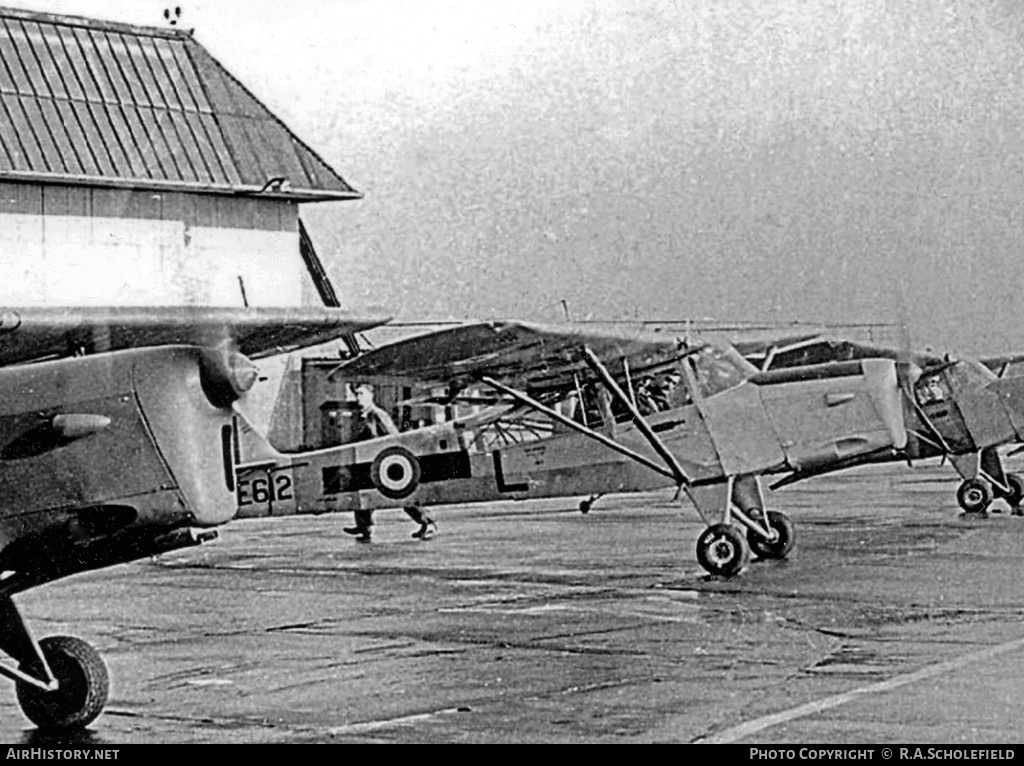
{"points": [[529, 356], [31, 334]]}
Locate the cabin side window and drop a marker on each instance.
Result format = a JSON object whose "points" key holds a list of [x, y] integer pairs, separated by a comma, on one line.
{"points": [[930, 389], [717, 369]]}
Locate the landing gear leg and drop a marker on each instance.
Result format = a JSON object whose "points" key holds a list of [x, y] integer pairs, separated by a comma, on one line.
{"points": [[61, 682], [737, 523], [748, 496], [588, 504]]}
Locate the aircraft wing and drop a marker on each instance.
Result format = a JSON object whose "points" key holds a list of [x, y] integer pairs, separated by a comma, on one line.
{"points": [[528, 356], [30, 334], [998, 364]]}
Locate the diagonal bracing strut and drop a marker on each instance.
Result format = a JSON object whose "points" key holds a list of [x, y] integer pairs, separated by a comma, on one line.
{"points": [[641, 422]]}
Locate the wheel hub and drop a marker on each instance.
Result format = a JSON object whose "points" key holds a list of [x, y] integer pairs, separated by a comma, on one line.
{"points": [[721, 551]]}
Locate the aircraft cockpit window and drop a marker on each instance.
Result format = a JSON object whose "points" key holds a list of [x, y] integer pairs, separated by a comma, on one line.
{"points": [[718, 369], [595, 409], [929, 390]]}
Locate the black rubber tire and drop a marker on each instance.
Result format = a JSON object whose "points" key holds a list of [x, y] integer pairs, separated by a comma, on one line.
{"points": [[1016, 483], [782, 545], [585, 506], [722, 550], [84, 686], [974, 495]]}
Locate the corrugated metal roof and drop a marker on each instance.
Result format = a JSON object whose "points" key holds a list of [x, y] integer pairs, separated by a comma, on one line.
{"points": [[94, 102]]}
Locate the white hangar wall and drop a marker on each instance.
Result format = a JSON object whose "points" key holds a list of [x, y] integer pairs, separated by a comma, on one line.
{"points": [[84, 245]]}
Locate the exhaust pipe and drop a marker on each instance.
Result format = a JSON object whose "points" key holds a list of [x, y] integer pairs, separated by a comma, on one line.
{"points": [[189, 537]]}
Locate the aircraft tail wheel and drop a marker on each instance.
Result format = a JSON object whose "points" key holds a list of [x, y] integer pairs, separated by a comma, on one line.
{"points": [[1016, 484], [83, 686], [974, 495], [778, 548], [585, 506], [722, 551]]}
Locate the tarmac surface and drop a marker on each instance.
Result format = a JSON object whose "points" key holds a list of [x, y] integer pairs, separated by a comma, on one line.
{"points": [[895, 620]]}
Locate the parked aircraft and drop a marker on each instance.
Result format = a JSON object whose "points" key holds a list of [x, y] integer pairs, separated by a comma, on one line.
{"points": [[960, 409], [116, 443], [578, 428]]}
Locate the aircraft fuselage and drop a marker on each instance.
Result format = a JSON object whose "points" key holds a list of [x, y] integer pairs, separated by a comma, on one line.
{"points": [[774, 425]]}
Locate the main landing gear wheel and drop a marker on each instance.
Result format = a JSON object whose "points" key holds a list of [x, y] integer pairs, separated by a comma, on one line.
{"points": [[974, 495], [722, 551], [82, 691], [1016, 494], [778, 548]]}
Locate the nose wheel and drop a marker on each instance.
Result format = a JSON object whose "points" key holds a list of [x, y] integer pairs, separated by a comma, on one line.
{"points": [[722, 550]]}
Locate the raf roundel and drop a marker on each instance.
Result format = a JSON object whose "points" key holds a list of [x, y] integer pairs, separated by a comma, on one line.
{"points": [[395, 472]]}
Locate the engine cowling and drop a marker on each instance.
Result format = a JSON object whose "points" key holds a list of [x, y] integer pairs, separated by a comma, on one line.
{"points": [[185, 394]]}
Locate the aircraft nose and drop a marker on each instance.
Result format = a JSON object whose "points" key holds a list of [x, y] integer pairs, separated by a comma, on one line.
{"points": [[194, 439], [1011, 393]]}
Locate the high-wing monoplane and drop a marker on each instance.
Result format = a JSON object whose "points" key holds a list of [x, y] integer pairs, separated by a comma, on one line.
{"points": [[594, 412], [117, 441], [960, 409]]}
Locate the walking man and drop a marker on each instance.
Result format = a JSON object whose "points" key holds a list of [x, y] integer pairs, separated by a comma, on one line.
{"points": [[374, 421]]}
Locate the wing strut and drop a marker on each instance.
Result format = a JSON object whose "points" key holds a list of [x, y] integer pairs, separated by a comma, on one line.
{"points": [[610, 443], [18, 643], [641, 423]]}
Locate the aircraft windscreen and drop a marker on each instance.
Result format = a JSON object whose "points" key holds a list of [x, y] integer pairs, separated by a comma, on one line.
{"points": [[718, 369]]}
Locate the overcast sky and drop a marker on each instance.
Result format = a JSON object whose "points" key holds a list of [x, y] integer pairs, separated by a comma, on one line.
{"points": [[774, 160]]}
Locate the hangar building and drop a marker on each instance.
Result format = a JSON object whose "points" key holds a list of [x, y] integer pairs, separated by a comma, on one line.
{"points": [[135, 170]]}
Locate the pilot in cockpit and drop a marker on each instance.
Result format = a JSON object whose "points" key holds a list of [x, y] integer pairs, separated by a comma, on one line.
{"points": [[657, 394], [930, 391], [647, 395]]}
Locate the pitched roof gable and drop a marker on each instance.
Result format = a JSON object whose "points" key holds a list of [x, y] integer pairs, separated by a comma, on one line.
{"points": [[101, 103]]}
